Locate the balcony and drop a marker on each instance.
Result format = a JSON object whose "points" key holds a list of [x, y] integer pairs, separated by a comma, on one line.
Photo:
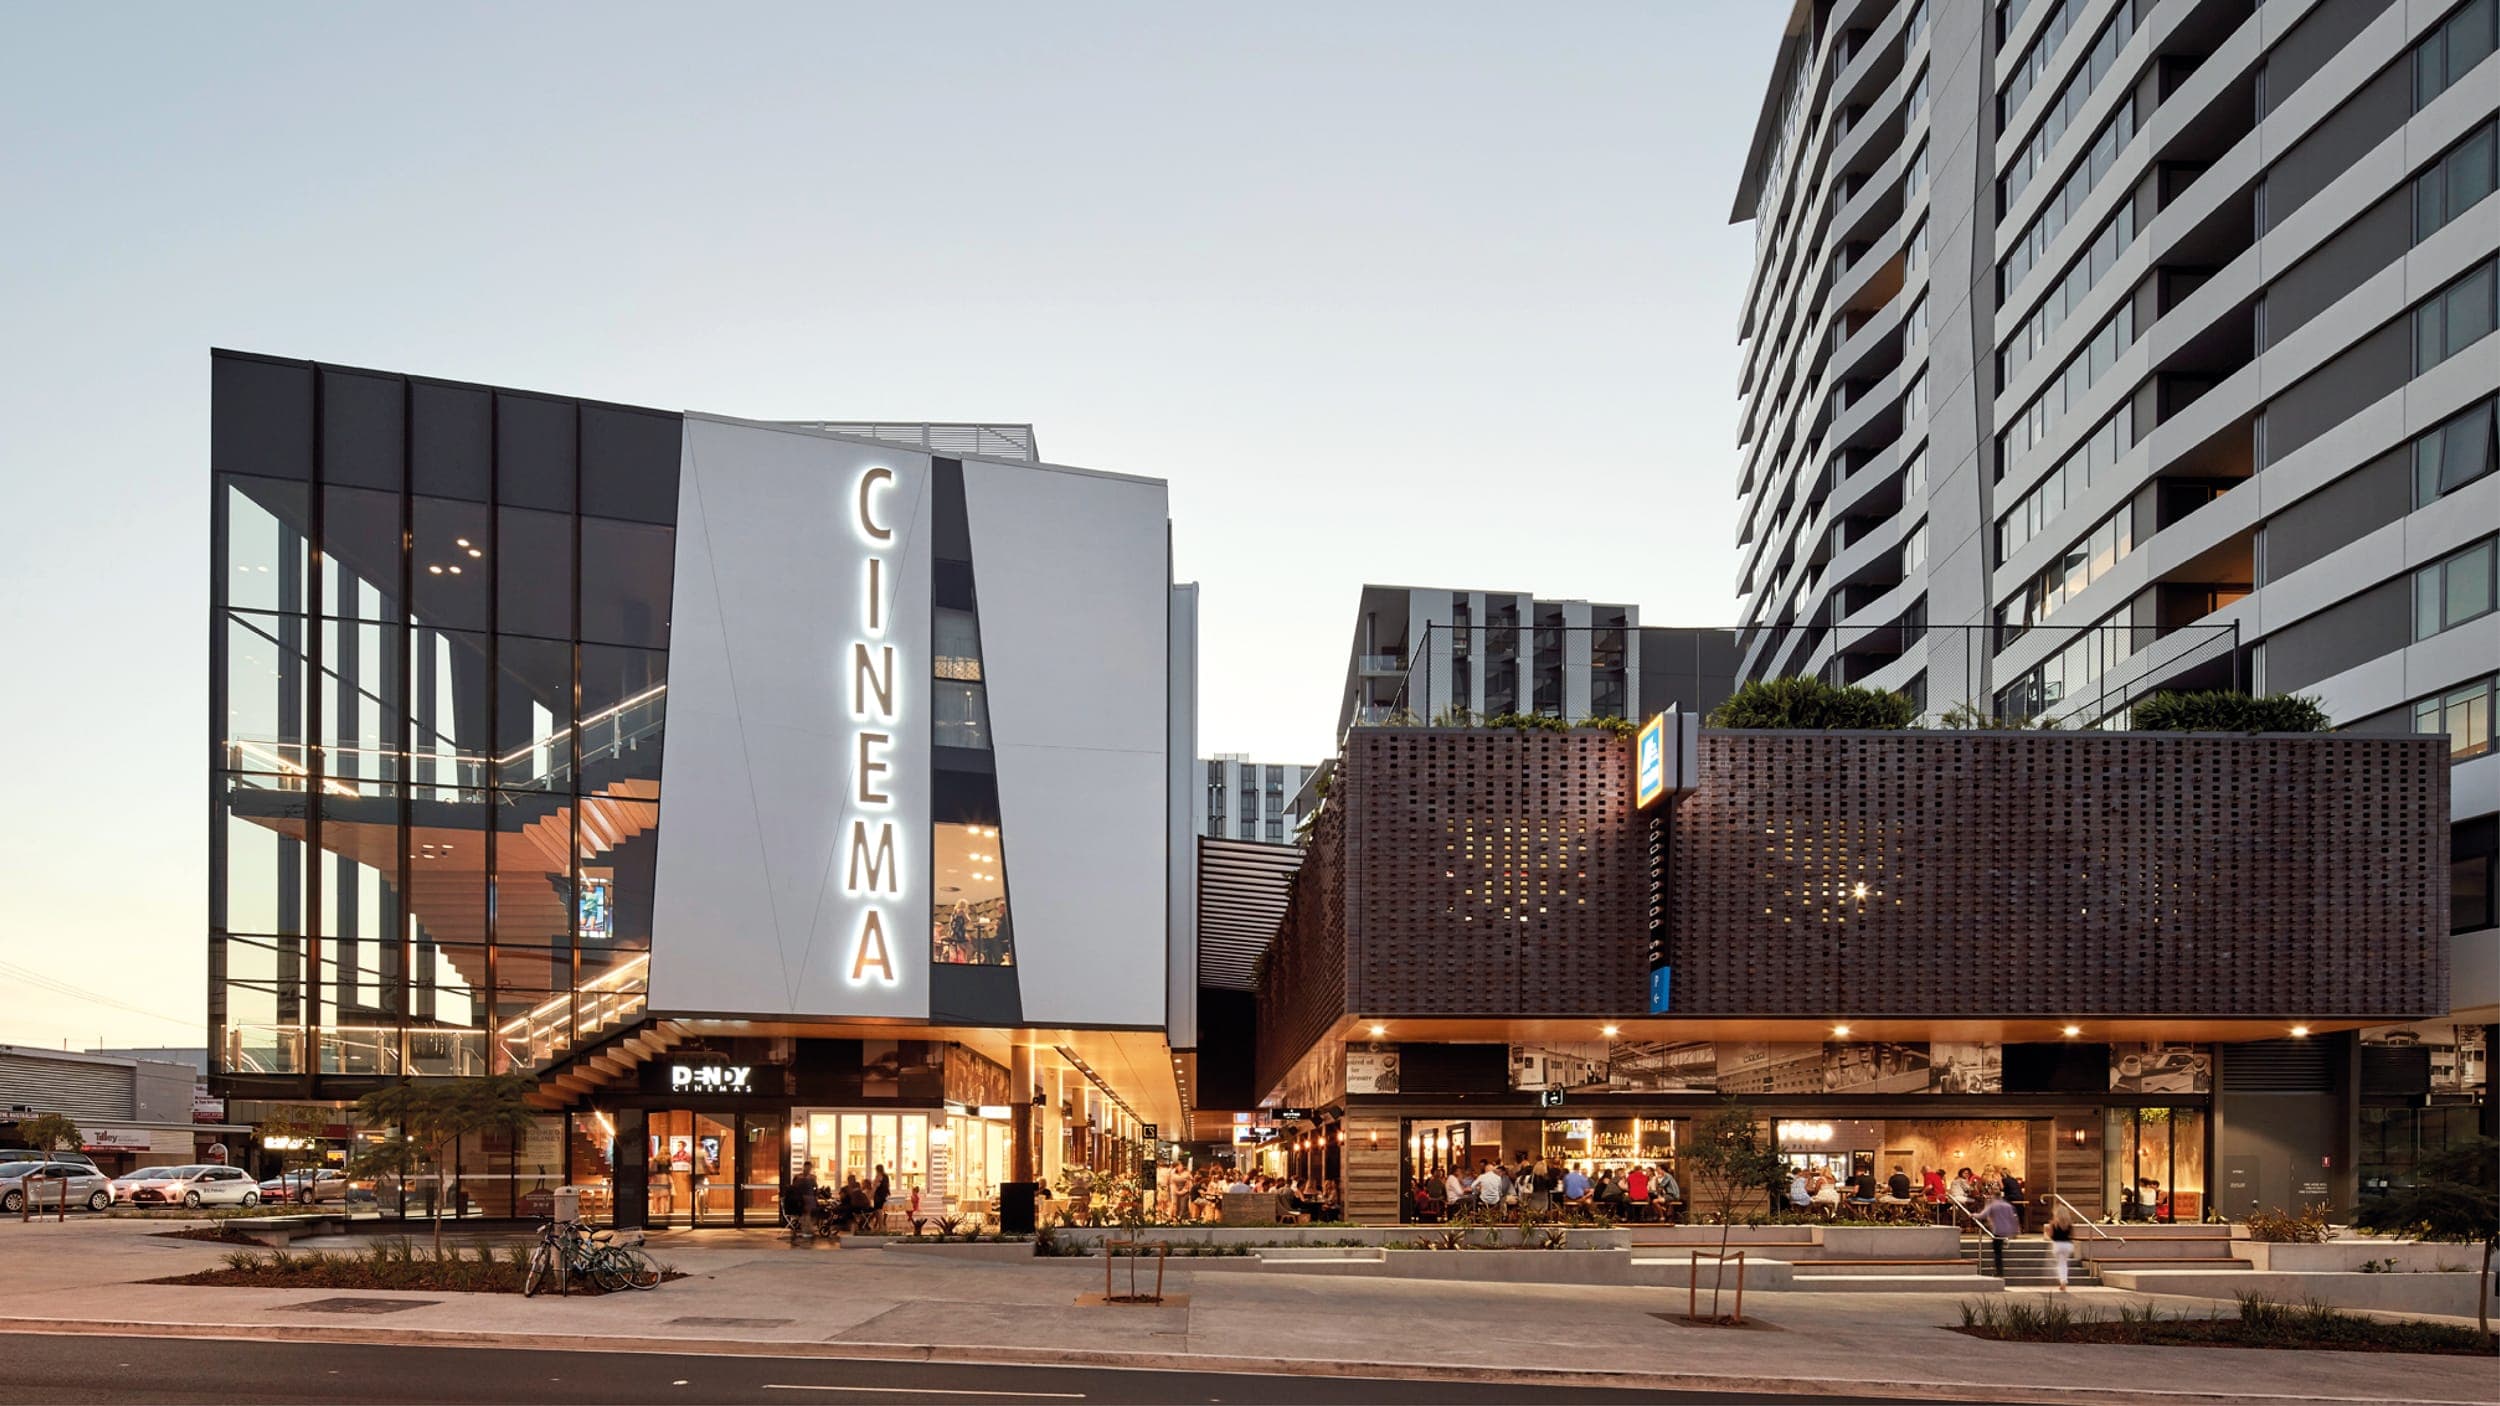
{"points": [[1381, 665]]}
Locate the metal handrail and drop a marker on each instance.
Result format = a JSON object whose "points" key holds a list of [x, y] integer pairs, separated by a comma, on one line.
{"points": [[1965, 1213], [2085, 1221]]}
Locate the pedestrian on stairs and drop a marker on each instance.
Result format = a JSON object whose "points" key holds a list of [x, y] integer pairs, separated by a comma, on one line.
{"points": [[2004, 1223], [2061, 1243]]}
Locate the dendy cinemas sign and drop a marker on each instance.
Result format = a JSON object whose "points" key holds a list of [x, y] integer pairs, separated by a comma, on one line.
{"points": [[872, 874]]}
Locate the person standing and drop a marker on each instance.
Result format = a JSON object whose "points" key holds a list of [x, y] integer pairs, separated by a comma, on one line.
{"points": [[2004, 1223], [798, 1201], [880, 1193], [2061, 1244]]}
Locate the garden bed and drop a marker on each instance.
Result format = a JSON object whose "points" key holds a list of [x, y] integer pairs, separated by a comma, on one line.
{"points": [[2261, 1323], [480, 1271]]}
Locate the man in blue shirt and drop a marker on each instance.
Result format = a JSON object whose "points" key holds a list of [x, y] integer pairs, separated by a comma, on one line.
{"points": [[1575, 1187]]}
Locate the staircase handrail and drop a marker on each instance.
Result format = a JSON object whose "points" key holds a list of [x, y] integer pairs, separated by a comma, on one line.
{"points": [[2086, 1221]]}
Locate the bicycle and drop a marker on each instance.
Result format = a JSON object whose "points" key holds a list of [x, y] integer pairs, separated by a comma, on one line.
{"points": [[567, 1251]]}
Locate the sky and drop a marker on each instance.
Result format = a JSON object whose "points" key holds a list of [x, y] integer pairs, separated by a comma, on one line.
{"points": [[1431, 294]]}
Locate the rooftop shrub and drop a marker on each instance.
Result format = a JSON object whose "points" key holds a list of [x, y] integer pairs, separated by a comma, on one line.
{"points": [[2223, 710], [1809, 704]]}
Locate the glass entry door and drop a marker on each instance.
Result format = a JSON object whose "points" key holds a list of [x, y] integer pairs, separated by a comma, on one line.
{"points": [[695, 1172]]}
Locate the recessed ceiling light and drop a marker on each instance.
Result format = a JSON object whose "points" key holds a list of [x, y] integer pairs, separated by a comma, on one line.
{"points": [[2071, 1031], [1610, 1031], [1379, 1030], [1840, 1032], [2300, 1032]]}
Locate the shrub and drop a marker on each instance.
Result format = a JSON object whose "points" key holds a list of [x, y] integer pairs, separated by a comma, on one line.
{"points": [[1965, 717], [2222, 710], [1809, 704], [2281, 1227]]}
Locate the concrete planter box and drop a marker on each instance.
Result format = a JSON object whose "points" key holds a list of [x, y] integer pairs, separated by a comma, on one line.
{"points": [[2347, 1256], [1321, 1236], [979, 1253], [1738, 1237], [2401, 1293]]}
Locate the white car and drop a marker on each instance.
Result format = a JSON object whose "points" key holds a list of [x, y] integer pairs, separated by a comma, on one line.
{"points": [[48, 1183], [194, 1187]]}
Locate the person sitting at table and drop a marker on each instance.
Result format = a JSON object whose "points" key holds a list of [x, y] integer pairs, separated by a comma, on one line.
{"points": [[1636, 1186], [1897, 1189], [1934, 1178], [1492, 1186], [1665, 1194], [1862, 1186], [1964, 1189], [1575, 1186], [1826, 1196], [1800, 1190]]}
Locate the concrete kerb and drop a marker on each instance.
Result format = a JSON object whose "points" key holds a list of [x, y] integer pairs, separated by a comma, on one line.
{"points": [[1185, 1362]]}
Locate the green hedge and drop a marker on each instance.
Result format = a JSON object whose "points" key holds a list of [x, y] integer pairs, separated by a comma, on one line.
{"points": [[1807, 703], [2224, 711]]}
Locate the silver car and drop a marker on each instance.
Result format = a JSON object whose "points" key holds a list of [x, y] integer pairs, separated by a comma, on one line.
{"points": [[46, 1183]]}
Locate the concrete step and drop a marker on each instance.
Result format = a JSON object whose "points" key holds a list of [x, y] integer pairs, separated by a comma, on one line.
{"points": [[2226, 1262], [2167, 1247], [1826, 1269], [1897, 1284]]}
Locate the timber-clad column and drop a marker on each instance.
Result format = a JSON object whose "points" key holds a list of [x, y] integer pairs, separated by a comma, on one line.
{"points": [[1020, 1163], [1370, 1163]]}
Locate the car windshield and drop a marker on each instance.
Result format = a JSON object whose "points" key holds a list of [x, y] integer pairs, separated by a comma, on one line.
{"points": [[175, 1173]]}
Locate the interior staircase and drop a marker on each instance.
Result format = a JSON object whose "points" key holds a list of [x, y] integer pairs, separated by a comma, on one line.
{"points": [[607, 1064]]}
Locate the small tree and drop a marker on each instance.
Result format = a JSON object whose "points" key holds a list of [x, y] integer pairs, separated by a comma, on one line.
{"points": [[1732, 1163], [430, 1117], [48, 1133], [2455, 1199], [295, 1129]]}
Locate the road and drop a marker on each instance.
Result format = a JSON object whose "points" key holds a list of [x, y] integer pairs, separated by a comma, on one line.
{"points": [[80, 1369]]}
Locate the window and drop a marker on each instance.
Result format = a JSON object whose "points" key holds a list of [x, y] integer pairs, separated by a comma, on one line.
{"points": [[2036, 59], [2451, 52], [2456, 182], [2463, 713], [1275, 831], [1914, 476], [2090, 362], [2455, 318], [2454, 454], [1914, 551], [962, 717], [1914, 326], [2085, 274], [2471, 847], [2069, 104], [1914, 251], [2084, 561], [1914, 177], [2448, 593], [969, 924], [1914, 400], [2032, 245]]}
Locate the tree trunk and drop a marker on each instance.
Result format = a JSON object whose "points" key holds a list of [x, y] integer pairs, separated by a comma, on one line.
{"points": [[2482, 1294]]}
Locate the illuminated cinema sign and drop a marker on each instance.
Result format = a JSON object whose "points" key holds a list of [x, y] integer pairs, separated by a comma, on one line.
{"points": [[711, 1078], [871, 873], [1649, 767]]}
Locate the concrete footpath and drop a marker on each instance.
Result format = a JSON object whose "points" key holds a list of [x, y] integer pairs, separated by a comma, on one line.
{"points": [[751, 1293]]}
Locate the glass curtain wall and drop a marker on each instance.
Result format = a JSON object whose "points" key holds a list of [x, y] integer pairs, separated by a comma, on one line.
{"points": [[440, 674]]}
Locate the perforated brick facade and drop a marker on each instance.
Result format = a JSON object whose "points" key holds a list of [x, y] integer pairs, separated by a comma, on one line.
{"points": [[2095, 873], [1493, 873]]}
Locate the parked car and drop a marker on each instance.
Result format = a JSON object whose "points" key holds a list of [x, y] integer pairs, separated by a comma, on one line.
{"points": [[28, 1154], [128, 1182], [194, 1187], [308, 1186], [45, 1183]]}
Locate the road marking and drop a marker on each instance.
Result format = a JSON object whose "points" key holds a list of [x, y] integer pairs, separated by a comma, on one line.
{"points": [[930, 1391]]}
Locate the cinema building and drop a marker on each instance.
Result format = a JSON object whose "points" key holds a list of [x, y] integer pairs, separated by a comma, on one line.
{"points": [[2153, 974], [714, 772]]}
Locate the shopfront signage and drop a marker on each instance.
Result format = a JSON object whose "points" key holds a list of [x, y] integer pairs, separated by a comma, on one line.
{"points": [[1292, 1115], [113, 1139], [205, 1106], [711, 1078], [1649, 775], [871, 872]]}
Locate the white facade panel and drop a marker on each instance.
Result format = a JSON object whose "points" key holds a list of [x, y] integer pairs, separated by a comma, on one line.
{"points": [[1075, 605], [764, 889]]}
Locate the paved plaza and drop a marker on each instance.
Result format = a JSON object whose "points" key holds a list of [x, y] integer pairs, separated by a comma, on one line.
{"points": [[749, 1292]]}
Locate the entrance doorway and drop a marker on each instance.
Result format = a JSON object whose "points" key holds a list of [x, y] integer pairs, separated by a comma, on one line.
{"points": [[714, 1169]]}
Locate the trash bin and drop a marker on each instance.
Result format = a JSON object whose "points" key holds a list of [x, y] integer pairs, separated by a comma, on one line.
{"points": [[568, 1204], [1015, 1207]]}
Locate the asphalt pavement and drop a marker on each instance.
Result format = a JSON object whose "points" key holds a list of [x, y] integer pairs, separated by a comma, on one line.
{"points": [[74, 1369]]}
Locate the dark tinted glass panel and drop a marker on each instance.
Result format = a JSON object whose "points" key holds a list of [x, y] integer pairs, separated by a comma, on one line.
{"points": [[534, 452], [265, 549], [362, 430], [447, 864], [265, 861], [451, 442], [534, 710], [629, 464], [364, 663], [533, 872], [449, 740], [624, 705], [534, 575], [260, 418], [360, 555], [447, 567], [625, 579]]}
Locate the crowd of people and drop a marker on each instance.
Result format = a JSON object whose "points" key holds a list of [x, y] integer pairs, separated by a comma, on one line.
{"points": [[810, 1207], [1499, 1187], [1198, 1196], [1816, 1190]]}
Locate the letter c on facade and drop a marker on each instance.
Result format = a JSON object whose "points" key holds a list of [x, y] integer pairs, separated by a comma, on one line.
{"points": [[868, 521]]}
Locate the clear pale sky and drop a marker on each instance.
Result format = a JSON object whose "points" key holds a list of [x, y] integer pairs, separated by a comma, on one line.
{"points": [[1432, 293]]}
